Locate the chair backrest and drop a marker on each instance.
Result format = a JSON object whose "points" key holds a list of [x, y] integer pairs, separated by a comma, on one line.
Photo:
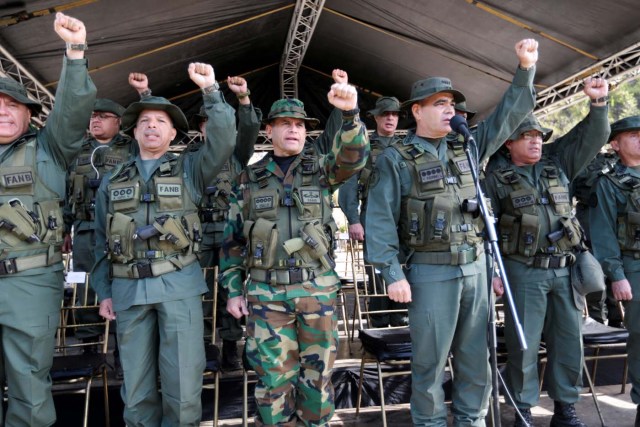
{"points": [[210, 302]]}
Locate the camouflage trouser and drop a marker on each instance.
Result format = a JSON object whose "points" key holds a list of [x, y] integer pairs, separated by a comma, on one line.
{"points": [[292, 346]]}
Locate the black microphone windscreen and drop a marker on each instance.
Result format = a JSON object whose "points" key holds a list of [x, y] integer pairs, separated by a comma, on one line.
{"points": [[458, 123]]}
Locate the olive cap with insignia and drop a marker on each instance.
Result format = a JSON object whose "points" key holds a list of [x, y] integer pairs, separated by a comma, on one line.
{"points": [[624, 125], [15, 90], [130, 115], [462, 106], [290, 107], [108, 106], [384, 104], [531, 123], [430, 86], [586, 277]]}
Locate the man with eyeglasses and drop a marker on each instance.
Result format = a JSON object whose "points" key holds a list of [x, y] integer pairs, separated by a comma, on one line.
{"points": [[353, 197], [103, 148], [539, 238]]}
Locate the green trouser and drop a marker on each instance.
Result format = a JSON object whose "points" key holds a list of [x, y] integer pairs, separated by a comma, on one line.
{"points": [[229, 328], [632, 322], [292, 346], [29, 316], [544, 307], [448, 315], [162, 339], [84, 242]]}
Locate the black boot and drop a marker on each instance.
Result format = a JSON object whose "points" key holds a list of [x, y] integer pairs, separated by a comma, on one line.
{"points": [[564, 415], [230, 359], [637, 423], [526, 420]]}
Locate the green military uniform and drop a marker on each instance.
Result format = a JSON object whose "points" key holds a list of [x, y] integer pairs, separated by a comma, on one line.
{"points": [[352, 199], [146, 218], [284, 219], [414, 209], [538, 237], [32, 182], [615, 231]]}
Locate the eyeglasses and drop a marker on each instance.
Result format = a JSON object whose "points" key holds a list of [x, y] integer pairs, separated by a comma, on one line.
{"points": [[390, 113], [532, 135], [103, 116]]}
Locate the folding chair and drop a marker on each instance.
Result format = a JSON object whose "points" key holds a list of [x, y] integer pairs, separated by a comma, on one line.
{"points": [[211, 374], [74, 368]]}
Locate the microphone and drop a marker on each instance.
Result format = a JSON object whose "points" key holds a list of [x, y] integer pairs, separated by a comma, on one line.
{"points": [[459, 125]]}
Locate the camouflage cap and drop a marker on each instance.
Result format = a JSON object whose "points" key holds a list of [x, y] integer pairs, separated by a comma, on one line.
{"points": [[430, 86], [15, 90], [130, 115], [462, 106], [290, 107], [384, 104], [108, 106], [531, 123], [624, 125]]}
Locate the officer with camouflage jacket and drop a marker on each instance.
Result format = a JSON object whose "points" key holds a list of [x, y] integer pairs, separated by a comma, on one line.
{"points": [[147, 222], [33, 166], [280, 225], [421, 208], [614, 213], [539, 238]]}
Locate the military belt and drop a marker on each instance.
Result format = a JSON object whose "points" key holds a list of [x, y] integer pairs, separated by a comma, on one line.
{"points": [[282, 277], [142, 269], [10, 266], [445, 258], [550, 261], [210, 215]]}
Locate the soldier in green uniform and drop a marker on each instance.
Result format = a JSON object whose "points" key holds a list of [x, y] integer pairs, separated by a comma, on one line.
{"points": [[420, 208], [102, 149], [147, 223], [33, 166], [614, 214], [539, 238], [461, 109], [352, 198], [280, 225]]}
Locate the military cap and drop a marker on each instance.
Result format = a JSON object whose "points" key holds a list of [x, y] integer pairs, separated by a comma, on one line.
{"points": [[15, 90], [384, 104], [130, 115], [290, 107], [108, 106], [531, 123], [462, 106], [430, 86], [624, 125], [586, 277]]}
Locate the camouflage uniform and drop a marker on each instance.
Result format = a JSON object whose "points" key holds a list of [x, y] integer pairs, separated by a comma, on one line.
{"points": [[291, 328]]}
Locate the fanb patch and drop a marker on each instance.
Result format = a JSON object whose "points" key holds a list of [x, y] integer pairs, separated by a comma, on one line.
{"points": [[463, 165], [310, 197], [432, 174], [112, 160], [17, 179], [262, 203], [119, 194], [561, 197], [171, 190]]}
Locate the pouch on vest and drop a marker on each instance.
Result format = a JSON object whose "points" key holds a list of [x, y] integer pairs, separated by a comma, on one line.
{"points": [[509, 232], [191, 223], [430, 176], [633, 231], [438, 233], [125, 196], [416, 220], [263, 238], [169, 193], [78, 188], [529, 235], [572, 235], [310, 200], [363, 183], [316, 245], [173, 236], [51, 222], [460, 164], [560, 200], [265, 203], [120, 231], [17, 224]]}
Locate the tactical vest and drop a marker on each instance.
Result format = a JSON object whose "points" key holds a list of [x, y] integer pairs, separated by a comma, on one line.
{"points": [[30, 213], [440, 214], [84, 182], [214, 206], [363, 178], [289, 226], [526, 213], [152, 228], [628, 222], [584, 182]]}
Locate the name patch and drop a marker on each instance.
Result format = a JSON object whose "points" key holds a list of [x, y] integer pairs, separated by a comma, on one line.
{"points": [[112, 160], [463, 165], [83, 160], [561, 197], [263, 203], [310, 197], [523, 201], [17, 179], [431, 174], [169, 189], [119, 194]]}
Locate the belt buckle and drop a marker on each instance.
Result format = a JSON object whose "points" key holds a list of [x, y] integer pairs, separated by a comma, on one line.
{"points": [[8, 266], [143, 269], [295, 275]]}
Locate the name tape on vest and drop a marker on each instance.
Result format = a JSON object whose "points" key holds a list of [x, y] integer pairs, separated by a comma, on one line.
{"points": [[463, 165], [119, 194], [17, 179], [262, 203], [561, 197], [83, 160], [112, 160], [310, 197], [169, 190]]}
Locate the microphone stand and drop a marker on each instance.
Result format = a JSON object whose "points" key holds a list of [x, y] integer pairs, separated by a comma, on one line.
{"points": [[492, 248]]}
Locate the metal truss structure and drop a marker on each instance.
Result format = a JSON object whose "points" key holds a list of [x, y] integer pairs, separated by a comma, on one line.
{"points": [[618, 68], [303, 23]]}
